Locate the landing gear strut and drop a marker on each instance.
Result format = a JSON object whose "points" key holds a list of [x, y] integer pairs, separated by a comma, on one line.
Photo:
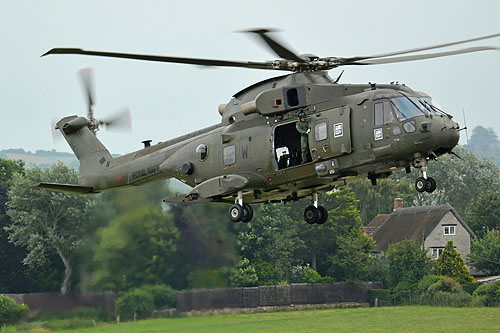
{"points": [[240, 211], [423, 183], [314, 213]]}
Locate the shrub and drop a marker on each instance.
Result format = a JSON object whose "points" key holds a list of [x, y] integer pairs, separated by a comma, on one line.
{"points": [[86, 312], [451, 264], [243, 275], [445, 284], [491, 293], [265, 272], [470, 287], [10, 312], [424, 284], [443, 298], [134, 304], [163, 295]]}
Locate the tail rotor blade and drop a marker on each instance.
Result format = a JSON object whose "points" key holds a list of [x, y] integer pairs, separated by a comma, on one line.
{"points": [[121, 120], [86, 75]]}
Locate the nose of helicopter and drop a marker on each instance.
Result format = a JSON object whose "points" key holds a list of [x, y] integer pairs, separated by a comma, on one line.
{"points": [[446, 133]]}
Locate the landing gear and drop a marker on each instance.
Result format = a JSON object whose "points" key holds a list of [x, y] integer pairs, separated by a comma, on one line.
{"points": [[240, 211], [423, 183], [314, 213]]}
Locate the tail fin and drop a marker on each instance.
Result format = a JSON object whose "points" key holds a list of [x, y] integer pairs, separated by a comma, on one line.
{"points": [[93, 156]]}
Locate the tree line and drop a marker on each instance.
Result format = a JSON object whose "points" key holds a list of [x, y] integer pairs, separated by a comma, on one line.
{"points": [[122, 239]]}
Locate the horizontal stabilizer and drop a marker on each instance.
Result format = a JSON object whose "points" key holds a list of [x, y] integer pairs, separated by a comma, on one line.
{"points": [[67, 188]]}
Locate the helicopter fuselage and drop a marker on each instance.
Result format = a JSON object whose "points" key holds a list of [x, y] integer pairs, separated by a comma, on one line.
{"points": [[363, 130]]}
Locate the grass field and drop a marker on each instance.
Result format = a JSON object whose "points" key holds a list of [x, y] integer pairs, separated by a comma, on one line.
{"points": [[393, 319]]}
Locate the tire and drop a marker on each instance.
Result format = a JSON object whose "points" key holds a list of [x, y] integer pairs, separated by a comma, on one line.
{"points": [[311, 214], [247, 213], [236, 213], [421, 184], [322, 216], [431, 185]]}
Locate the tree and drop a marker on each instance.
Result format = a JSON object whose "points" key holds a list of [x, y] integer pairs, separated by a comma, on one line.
{"points": [[451, 264], [379, 199], [485, 253], [408, 263], [350, 261], [321, 241], [136, 248], [45, 221], [272, 237], [484, 212]]}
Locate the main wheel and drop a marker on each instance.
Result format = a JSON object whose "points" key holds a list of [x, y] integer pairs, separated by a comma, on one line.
{"points": [[247, 213], [421, 184], [322, 216], [236, 213], [311, 214], [431, 185]]}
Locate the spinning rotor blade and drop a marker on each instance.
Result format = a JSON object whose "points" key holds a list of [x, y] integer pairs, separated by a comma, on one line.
{"points": [[425, 48], [121, 120], [277, 47], [87, 77], [420, 56], [180, 60]]}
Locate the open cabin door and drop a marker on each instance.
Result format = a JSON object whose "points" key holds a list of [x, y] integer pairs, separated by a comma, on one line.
{"points": [[330, 133]]}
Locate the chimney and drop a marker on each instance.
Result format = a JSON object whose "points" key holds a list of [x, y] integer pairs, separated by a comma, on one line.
{"points": [[398, 203]]}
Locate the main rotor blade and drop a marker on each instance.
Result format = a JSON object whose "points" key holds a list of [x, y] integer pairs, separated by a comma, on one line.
{"points": [[180, 60], [420, 56], [277, 47], [425, 48], [119, 120]]}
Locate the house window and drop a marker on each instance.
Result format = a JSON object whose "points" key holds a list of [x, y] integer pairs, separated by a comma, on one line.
{"points": [[437, 251], [229, 155], [449, 229]]}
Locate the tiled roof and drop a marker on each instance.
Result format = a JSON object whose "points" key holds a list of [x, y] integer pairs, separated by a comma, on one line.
{"points": [[376, 223]]}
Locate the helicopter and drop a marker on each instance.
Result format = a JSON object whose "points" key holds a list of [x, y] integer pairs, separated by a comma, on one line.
{"points": [[256, 153]]}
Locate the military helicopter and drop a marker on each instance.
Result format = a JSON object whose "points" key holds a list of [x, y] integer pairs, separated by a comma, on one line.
{"points": [[252, 156]]}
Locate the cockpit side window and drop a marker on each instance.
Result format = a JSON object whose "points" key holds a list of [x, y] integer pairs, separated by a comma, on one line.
{"points": [[383, 113], [405, 108]]}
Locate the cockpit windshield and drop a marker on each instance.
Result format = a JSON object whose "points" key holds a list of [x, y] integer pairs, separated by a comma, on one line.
{"points": [[405, 108]]}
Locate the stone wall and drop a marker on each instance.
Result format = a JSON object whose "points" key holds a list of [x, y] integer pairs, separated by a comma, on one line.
{"points": [[284, 295]]}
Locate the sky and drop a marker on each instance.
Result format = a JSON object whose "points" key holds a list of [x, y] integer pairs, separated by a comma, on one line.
{"points": [[168, 100]]}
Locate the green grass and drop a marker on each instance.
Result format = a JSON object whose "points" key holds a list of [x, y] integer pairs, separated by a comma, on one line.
{"points": [[393, 319]]}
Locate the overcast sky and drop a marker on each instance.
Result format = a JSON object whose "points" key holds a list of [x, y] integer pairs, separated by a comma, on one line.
{"points": [[168, 100]]}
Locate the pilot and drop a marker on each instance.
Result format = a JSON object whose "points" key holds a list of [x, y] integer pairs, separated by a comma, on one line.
{"points": [[302, 127]]}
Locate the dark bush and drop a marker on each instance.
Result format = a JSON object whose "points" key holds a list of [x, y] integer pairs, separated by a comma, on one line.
{"points": [[380, 294], [445, 284], [134, 304], [424, 284], [490, 292], [470, 287], [163, 295], [10, 312]]}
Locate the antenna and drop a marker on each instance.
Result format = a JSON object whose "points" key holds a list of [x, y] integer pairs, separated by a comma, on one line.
{"points": [[465, 127]]}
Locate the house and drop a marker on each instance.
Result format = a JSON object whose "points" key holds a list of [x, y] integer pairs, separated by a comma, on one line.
{"points": [[432, 226]]}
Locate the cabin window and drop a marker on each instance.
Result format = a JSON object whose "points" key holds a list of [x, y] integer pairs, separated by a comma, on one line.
{"points": [[321, 131], [229, 155], [396, 130], [202, 152], [449, 230]]}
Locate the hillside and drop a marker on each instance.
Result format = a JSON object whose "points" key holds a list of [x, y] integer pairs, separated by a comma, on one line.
{"points": [[42, 158]]}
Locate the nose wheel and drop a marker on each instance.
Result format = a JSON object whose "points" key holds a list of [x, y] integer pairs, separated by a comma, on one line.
{"points": [[314, 213], [424, 183]]}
